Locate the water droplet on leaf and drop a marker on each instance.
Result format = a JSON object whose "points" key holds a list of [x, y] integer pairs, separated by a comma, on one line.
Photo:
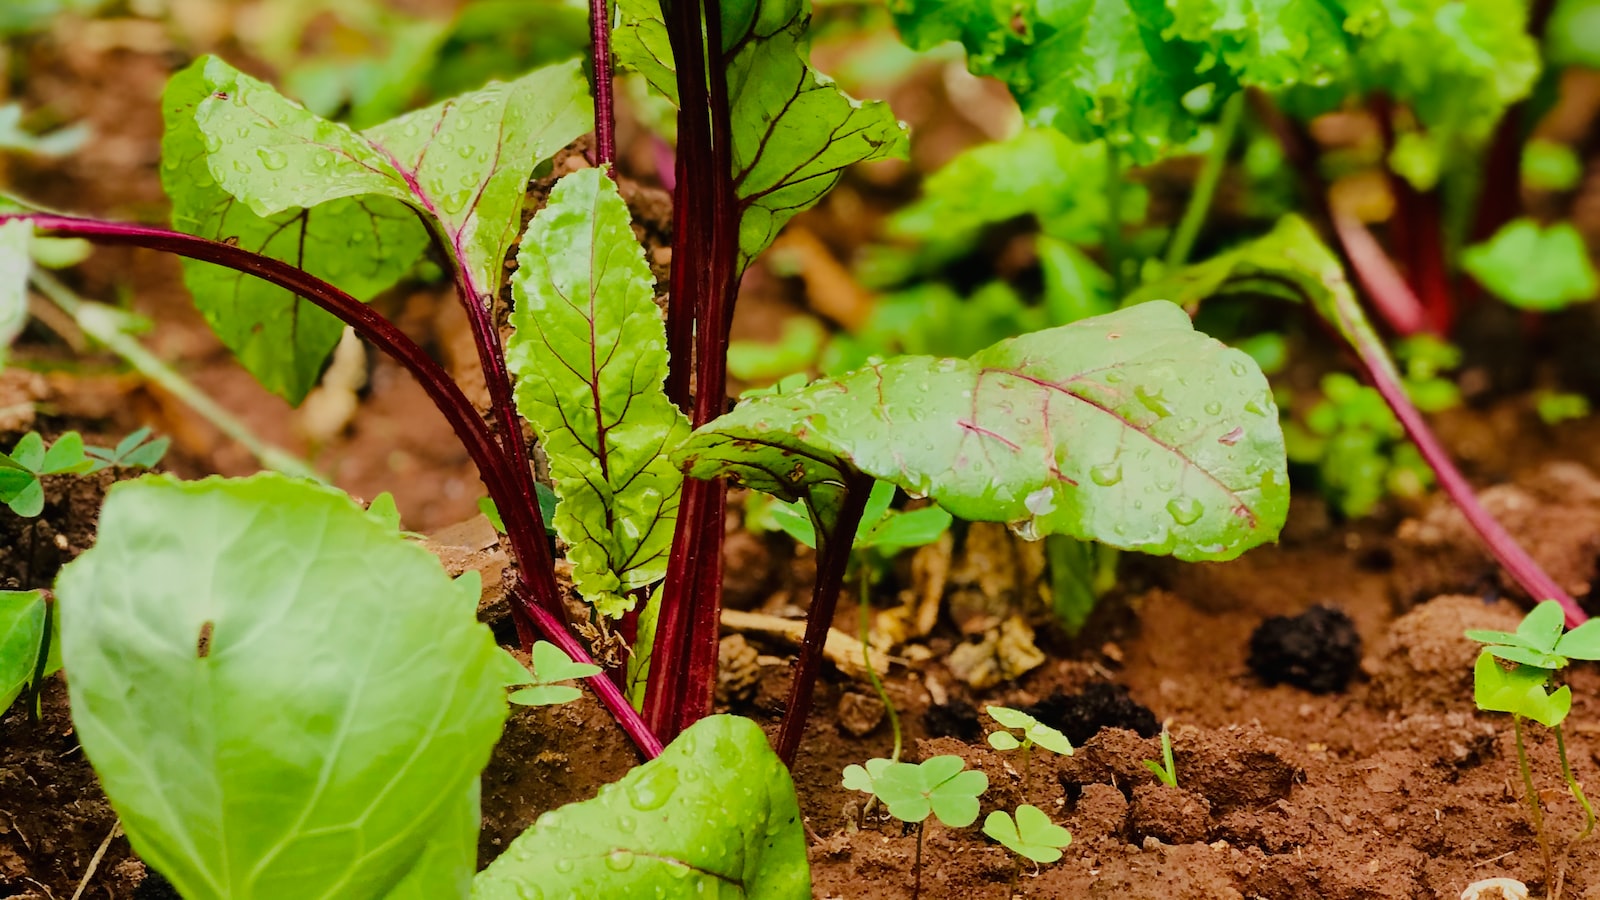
{"points": [[1185, 510], [1106, 474], [653, 789], [272, 159]]}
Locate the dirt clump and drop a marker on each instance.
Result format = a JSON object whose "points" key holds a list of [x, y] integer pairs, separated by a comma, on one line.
{"points": [[1318, 650]]}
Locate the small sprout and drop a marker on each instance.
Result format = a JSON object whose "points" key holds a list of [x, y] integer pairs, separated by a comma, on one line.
{"points": [[1520, 691], [1031, 834], [1539, 641], [29, 461], [551, 665], [941, 785], [1033, 731], [136, 451], [1165, 770]]}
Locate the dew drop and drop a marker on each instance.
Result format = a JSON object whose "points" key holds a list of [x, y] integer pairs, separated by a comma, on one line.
{"points": [[565, 866], [619, 860], [627, 824], [213, 143], [241, 167], [653, 789], [1106, 474], [1115, 377], [1041, 502], [1027, 529], [274, 160], [1214, 408], [1185, 510], [1239, 368]]}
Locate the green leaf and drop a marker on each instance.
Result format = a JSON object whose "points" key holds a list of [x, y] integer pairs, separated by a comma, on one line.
{"points": [[1520, 691], [1572, 37], [545, 695], [242, 163], [864, 778], [1004, 741], [1031, 834], [65, 456], [589, 356], [444, 867], [1035, 731], [16, 261], [1128, 428], [1283, 264], [900, 530], [1534, 268], [274, 747], [1541, 628], [361, 244], [941, 785], [714, 816], [1582, 642], [644, 643], [1551, 166], [794, 131], [466, 161], [21, 640], [1270, 44], [1529, 657], [551, 664]]}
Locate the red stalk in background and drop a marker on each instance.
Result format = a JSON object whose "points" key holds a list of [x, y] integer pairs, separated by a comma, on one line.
{"points": [[1416, 235]]}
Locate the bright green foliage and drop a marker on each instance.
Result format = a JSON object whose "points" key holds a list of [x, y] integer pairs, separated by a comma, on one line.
{"points": [[1521, 690], [1034, 732], [1270, 44], [243, 163], [1357, 446], [1549, 166], [16, 240], [1128, 428], [28, 461], [1031, 834], [941, 785], [1534, 268], [1572, 38], [547, 509], [794, 131], [22, 624], [551, 665], [1258, 267], [1555, 407], [713, 817], [1539, 640], [798, 344], [15, 138], [589, 356], [315, 695]]}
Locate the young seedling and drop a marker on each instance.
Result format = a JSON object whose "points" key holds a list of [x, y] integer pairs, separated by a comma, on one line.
{"points": [[30, 460], [942, 786], [1165, 770], [1033, 731], [30, 646], [1027, 835], [1535, 651], [551, 667], [1031, 834]]}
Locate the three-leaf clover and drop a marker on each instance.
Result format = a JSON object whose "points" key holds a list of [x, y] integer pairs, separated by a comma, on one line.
{"points": [[21, 469], [1521, 691], [1539, 641], [551, 665], [942, 785], [1030, 834], [136, 451], [1033, 731]]}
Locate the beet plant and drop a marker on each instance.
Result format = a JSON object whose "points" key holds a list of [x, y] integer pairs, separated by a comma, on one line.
{"points": [[312, 697]]}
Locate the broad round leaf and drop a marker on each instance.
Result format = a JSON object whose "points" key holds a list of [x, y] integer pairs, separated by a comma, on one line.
{"points": [[281, 695], [714, 816]]}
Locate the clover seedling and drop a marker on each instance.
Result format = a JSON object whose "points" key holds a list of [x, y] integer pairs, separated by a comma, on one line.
{"points": [[1034, 733], [1165, 770], [942, 786], [1538, 648], [30, 460], [551, 665], [1031, 834]]}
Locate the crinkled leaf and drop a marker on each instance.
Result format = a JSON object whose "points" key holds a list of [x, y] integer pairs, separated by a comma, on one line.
{"points": [[1534, 268], [22, 615], [16, 239], [1270, 44], [1129, 428], [1520, 691], [941, 785], [589, 355], [1030, 834], [794, 131], [315, 693], [361, 244], [714, 816], [245, 164], [466, 161]]}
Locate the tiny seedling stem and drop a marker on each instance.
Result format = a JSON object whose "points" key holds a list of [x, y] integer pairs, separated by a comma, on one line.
{"points": [[1574, 786], [1535, 810], [36, 684], [866, 662], [1205, 186], [916, 888]]}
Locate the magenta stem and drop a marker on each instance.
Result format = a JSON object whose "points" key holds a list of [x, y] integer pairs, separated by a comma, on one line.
{"points": [[1377, 274], [605, 113], [1391, 296]]}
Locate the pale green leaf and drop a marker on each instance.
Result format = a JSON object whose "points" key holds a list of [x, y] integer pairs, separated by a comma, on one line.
{"points": [[1582, 642], [1129, 428], [551, 664], [1541, 628], [316, 694], [644, 643], [21, 639], [640, 43], [1532, 267], [1004, 741], [940, 785], [1031, 834], [1520, 691], [447, 861], [589, 356], [714, 816], [16, 261]]}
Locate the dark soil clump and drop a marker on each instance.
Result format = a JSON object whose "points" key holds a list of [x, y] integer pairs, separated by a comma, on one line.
{"points": [[1102, 704], [1318, 650]]}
